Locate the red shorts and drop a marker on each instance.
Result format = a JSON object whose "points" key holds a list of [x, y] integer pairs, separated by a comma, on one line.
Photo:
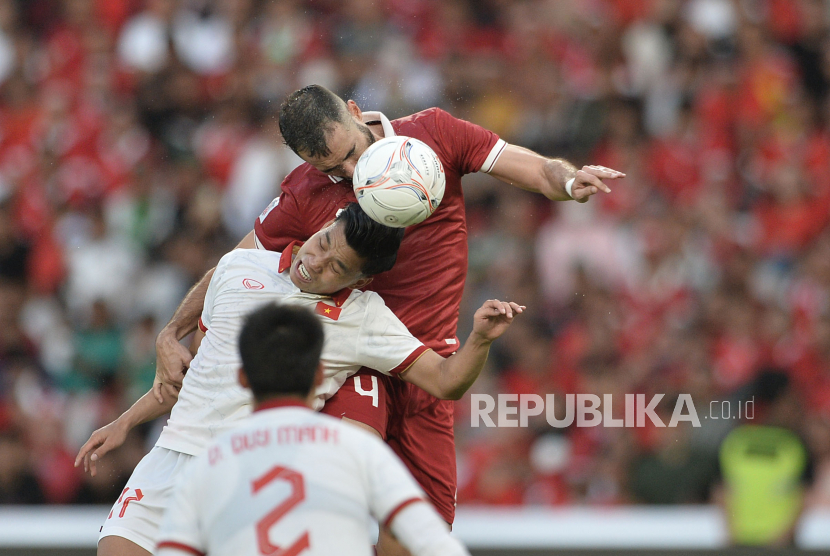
{"points": [[364, 397], [415, 424]]}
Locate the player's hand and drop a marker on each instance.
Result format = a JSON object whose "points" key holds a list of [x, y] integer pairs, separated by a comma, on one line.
{"points": [[588, 181], [162, 391], [102, 441], [172, 362], [493, 318]]}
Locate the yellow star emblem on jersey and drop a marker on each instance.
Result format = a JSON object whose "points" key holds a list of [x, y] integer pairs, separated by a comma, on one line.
{"points": [[325, 310]]}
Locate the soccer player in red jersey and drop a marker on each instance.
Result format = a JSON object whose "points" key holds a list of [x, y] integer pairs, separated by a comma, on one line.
{"points": [[424, 288]]}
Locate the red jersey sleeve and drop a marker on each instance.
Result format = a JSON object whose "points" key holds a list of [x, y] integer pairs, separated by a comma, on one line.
{"points": [[308, 201], [279, 223], [468, 147]]}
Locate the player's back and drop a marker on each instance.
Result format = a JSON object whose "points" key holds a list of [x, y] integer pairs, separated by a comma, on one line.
{"points": [[288, 478]]}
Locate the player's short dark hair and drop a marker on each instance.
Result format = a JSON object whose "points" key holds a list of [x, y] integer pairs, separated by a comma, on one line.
{"points": [[307, 116], [374, 242], [280, 347]]}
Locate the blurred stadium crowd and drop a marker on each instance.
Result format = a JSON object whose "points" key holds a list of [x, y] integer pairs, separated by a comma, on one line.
{"points": [[138, 143]]}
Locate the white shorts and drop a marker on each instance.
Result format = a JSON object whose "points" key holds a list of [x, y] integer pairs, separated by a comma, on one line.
{"points": [[136, 515]]}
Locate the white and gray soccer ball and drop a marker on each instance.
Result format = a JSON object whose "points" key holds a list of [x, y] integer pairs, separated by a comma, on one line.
{"points": [[399, 181]]}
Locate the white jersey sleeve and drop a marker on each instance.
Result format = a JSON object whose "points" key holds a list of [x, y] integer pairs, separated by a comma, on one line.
{"points": [[384, 343], [390, 485], [422, 531], [397, 502], [210, 295]]}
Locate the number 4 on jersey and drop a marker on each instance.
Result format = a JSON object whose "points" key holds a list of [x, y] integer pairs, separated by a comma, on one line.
{"points": [[373, 393], [264, 525]]}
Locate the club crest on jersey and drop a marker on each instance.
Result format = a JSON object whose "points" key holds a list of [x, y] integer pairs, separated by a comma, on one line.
{"points": [[252, 284], [326, 310]]}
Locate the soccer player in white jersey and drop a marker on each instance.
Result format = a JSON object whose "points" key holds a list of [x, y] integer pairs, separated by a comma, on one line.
{"points": [[360, 331], [289, 480]]}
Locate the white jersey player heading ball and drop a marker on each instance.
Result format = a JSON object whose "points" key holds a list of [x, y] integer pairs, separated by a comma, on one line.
{"points": [[360, 331], [291, 481]]}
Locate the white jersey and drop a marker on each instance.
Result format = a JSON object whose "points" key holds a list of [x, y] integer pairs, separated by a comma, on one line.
{"points": [[292, 481], [360, 331]]}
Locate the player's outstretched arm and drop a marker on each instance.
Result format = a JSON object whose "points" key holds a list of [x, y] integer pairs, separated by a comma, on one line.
{"points": [[172, 358], [449, 378], [111, 436], [525, 169]]}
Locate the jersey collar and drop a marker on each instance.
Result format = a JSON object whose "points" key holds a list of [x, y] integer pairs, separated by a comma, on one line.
{"points": [[279, 402], [287, 256], [373, 116], [369, 117], [340, 297]]}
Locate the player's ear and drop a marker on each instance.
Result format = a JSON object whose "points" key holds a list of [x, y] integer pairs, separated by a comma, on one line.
{"points": [[243, 378], [354, 110], [362, 283]]}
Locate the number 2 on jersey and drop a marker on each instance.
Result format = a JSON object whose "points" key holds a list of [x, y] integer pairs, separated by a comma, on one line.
{"points": [[264, 525]]}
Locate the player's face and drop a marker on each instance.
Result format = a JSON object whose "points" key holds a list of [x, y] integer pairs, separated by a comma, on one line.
{"points": [[346, 142], [325, 264]]}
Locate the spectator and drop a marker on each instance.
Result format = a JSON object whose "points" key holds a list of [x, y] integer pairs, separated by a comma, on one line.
{"points": [[17, 483]]}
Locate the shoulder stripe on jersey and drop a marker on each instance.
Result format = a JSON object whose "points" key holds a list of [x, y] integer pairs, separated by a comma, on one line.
{"points": [[398, 509], [202, 326], [493, 157], [180, 546], [411, 358]]}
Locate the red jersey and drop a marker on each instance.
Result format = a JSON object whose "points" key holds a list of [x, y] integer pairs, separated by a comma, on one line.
{"points": [[425, 286]]}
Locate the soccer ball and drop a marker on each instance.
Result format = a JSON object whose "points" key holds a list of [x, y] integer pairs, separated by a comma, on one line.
{"points": [[399, 181]]}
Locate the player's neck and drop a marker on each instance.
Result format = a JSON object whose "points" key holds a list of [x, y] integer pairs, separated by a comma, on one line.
{"points": [[376, 127]]}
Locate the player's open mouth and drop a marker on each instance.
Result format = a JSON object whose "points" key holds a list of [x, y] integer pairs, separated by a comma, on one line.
{"points": [[303, 273]]}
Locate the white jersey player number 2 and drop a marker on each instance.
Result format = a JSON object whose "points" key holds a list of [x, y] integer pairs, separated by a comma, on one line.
{"points": [[264, 525], [373, 393]]}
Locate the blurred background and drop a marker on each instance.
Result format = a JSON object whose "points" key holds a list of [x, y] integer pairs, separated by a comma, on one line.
{"points": [[139, 141]]}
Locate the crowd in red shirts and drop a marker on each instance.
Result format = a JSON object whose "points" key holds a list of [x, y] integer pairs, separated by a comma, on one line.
{"points": [[138, 142]]}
